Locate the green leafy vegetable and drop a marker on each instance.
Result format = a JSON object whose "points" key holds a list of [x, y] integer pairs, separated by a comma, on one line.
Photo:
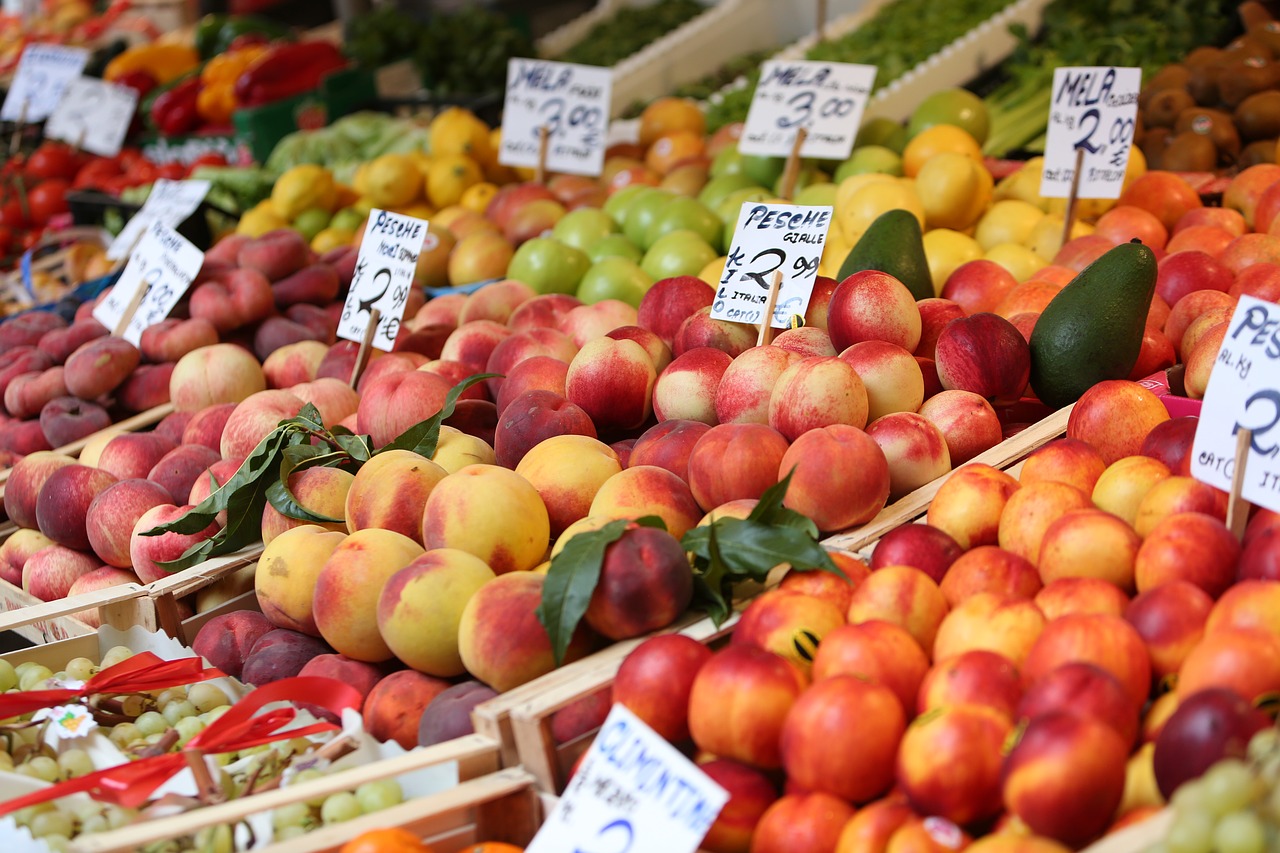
{"points": [[629, 29]]}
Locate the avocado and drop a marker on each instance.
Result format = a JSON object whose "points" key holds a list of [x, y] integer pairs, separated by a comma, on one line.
{"points": [[1092, 330], [893, 244]]}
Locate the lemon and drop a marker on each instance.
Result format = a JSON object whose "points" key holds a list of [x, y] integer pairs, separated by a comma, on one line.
{"points": [[392, 180], [1045, 238], [449, 177], [1009, 220], [712, 272], [329, 239], [876, 198], [458, 131], [935, 140], [1020, 261], [477, 196], [954, 190], [945, 250], [311, 222], [260, 220], [1024, 185], [304, 187]]}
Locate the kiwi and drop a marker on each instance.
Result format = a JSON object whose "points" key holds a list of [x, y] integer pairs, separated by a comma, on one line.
{"points": [[1203, 57], [1239, 80], [1170, 77], [1267, 33], [1203, 84], [1258, 116], [1189, 152], [1163, 109], [1153, 143], [1247, 47], [1214, 124], [1257, 152]]}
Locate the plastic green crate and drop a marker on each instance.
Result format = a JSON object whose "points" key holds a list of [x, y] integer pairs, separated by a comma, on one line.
{"points": [[340, 93]]}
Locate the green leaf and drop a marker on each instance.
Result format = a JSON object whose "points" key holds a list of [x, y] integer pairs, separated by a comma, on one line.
{"points": [[422, 438], [713, 582], [769, 509], [749, 550], [296, 458], [358, 447], [244, 527], [651, 521], [571, 580]]}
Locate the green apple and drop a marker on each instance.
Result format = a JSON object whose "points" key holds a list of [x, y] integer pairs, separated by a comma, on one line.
{"points": [[686, 214], [615, 246], [584, 227], [717, 188], [882, 131], [617, 204], [870, 159], [728, 209], [765, 171], [643, 212], [548, 266], [808, 175], [677, 253], [348, 219], [311, 222], [615, 278], [823, 193], [952, 106], [728, 161]]}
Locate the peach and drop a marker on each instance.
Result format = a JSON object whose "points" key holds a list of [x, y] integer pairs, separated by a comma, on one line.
{"points": [[1201, 358], [347, 588], [49, 573], [390, 491], [176, 472], [399, 362], [99, 366], [545, 310], [525, 345], [949, 763], [279, 654], [873, 306], [750, 796], [500, 639], [27, 393], [360, 675], [1248, 604], [805, 341], [978, 678], [1123, 223], [1083, 689], [731, 462], [687, 388], [700, 330], [967, 422], [276, 333], [1164, 195], [1243, 660], [395, 402], [978, 286], [334, 399], [276, 254], [891, 375], [317, 284], [1125, 483], [538, 373], [1170, 619], [1066, 460], [448, 715], [253, 419], [655, 680], [820, 302], [1226, 218], [835, 588], [914, 448], [1188, 308], [456, 450], [393, 709], [496, 301], [22, 438], [1086, 760], [801, 823], [987, 568], [285, 580], [112, 514], [171, 426], [320, 491], [132, 455], [935, 315], [1210, 239], [670, 301], [206, 426], [1089, 543], [226, 641], [1188, 546], [746, 386], [222, 373], [17, 549], [917, 545], [63, 503], [534, 417], [839, 476], [293, 363], [1029, 513], [146, 388], [100, 578], [1115, 416], [990, 622], [659, 353], [739, 702], [147, 552], [1107, 641], [1260, 280], [1173, 495], [613, 382], [647, 490], [58, 343], [1081, 595], [789, 624], [587, 322], [645, 584], [567, 471], [669, 444], [209, 481], [26, 478], [876, 651], [21, 360], [903, 596], [1249, 249], [970, 502], [64, 420], [817, 392], [474, 510], [473, 343]]}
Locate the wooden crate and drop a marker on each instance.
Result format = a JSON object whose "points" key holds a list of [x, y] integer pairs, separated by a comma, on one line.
{"points": [[487, 803], [163, 594], [43, 622]]}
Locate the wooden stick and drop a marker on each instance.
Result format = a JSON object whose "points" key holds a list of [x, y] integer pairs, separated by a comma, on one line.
{"points": [[1237, 507], [16, 140], [766, 327], [168, 618], [1069, 216], [207, 788], [791, 173], [544, 142], [366, 343], [129, 310], [822, 21]]}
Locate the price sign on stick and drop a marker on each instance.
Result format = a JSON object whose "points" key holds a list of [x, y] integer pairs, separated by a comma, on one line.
{"points": [[569, 103], [1091, 118], [159, 272], [169, 203], [383, 277], [43, 73], [1244, 394], [824, 98], [633, 793], [772, 239], [93, 115]]}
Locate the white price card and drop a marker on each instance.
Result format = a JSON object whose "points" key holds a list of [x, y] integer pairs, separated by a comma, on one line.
{"points": [[165, 263], [570, 101], [770, 239], [43, 73], [169, 203], [1244, 393], [633, 793], [1093, 110], [384, 276], [825, 98], [93, 115]]}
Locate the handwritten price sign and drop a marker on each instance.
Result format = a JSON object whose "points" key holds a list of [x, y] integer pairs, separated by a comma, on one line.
{"points": [[43, 73], [769, 239], [633, 793], [825, 98], [169, 203], [1244, 393], [383, 278], [1094, 111], [570, 101], [94, 115], [164, 263]]}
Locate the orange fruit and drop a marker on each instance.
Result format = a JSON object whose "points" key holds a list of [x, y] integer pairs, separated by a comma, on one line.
{"points": [[672, 149], [936, 140], [390, 840], [492, 847], [667, 115]]}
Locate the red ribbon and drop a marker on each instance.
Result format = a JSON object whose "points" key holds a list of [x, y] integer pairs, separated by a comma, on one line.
{"points": [[142, 673], [131, 785]]}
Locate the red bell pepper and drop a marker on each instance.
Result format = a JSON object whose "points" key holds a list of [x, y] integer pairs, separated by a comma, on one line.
{"points": [[287, 70], [174, 112]]}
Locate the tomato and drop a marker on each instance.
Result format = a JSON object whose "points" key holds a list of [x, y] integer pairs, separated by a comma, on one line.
{"points": [[95, 174], [6, 239], [32, 237], [52, 160], [48, 200], [172, 171], [11, 215], [213, 158], [141, 171]]}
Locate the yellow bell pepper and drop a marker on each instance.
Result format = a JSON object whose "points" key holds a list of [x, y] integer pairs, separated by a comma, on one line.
{"points": [[164, 62], [216, 102], [227, 67]]}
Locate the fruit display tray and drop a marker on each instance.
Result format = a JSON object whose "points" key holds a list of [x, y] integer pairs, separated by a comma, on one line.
{"points": [[43, 622]]}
